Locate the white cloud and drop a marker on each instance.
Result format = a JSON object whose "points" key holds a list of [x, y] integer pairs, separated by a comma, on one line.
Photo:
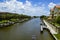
{"points": [[24, 8], [51, 5]]}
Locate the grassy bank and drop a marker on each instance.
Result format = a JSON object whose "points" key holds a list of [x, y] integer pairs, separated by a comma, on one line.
{"points": [[57, 36], [11, 18]]}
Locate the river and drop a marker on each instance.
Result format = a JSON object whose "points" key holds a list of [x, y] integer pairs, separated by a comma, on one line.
{"points": [[25, 31]]}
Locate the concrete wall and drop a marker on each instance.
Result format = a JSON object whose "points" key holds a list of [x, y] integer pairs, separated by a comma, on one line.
{"points": [[57, 29]]}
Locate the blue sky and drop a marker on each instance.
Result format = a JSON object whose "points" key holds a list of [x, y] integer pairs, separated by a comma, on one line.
{"points": [[28, 7]]}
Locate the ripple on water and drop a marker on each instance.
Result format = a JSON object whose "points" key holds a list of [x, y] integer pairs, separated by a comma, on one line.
{"points": [[33, 37]]}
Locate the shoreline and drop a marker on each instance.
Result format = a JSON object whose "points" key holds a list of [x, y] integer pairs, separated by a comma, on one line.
{"points": [[12, 23], [50, 30]]}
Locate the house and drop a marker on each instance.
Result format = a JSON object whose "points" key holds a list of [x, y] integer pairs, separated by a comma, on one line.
{"points": [[57, 10]]}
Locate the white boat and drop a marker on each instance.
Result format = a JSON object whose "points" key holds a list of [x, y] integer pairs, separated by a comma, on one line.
{"points": [[41, 28]]}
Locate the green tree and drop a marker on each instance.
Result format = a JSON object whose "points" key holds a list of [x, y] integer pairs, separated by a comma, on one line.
{"points": [[58, 20]]}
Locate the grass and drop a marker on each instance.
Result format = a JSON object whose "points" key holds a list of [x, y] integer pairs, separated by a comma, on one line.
{"points": [[4, 21], [14, 20], [58, 36], [11, 20], [55, 24], [58, 25]]}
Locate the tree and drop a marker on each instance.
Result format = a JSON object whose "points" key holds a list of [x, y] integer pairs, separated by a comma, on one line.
{"points": [[58, 20], [43, 17]]}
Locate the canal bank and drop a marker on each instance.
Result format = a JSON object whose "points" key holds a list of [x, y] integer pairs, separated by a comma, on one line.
{"points": [[9, 23], [52, 31]]}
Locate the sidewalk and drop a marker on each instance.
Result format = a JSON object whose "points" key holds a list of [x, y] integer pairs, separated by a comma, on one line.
{"points": [[50, 28]]}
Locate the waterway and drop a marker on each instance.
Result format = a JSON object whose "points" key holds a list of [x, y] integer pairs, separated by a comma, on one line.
{"points": [[29, 30]]}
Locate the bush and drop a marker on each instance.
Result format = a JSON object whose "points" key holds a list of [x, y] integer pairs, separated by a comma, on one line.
{"points": [[58, 20], [43, 17]]}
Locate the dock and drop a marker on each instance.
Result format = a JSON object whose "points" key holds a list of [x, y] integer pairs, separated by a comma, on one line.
{"points": [[43, 27]]}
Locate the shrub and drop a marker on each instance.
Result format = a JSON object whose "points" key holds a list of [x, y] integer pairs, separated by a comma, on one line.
{"points": [[58, 20], [43, 17]]}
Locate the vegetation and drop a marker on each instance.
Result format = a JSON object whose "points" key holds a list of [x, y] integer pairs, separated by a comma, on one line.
{"points": [[58, 20], [36, 16], [8, 16], [3, 21], [43, 17], [58, 36], [14, 20], [5, 17]]}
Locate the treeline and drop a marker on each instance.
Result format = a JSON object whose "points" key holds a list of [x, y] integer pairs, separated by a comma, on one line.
{"points": [[43, 17], [8, 16], [7, 19]]}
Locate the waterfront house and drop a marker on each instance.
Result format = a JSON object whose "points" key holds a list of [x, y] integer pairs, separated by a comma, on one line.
{"points": [[57, 11]]}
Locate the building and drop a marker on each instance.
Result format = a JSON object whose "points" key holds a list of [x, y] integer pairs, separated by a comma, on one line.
{"points": [[55, 12]]}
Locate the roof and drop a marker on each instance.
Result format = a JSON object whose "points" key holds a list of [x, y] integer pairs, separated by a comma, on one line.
{"points": [[57, 6]]}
